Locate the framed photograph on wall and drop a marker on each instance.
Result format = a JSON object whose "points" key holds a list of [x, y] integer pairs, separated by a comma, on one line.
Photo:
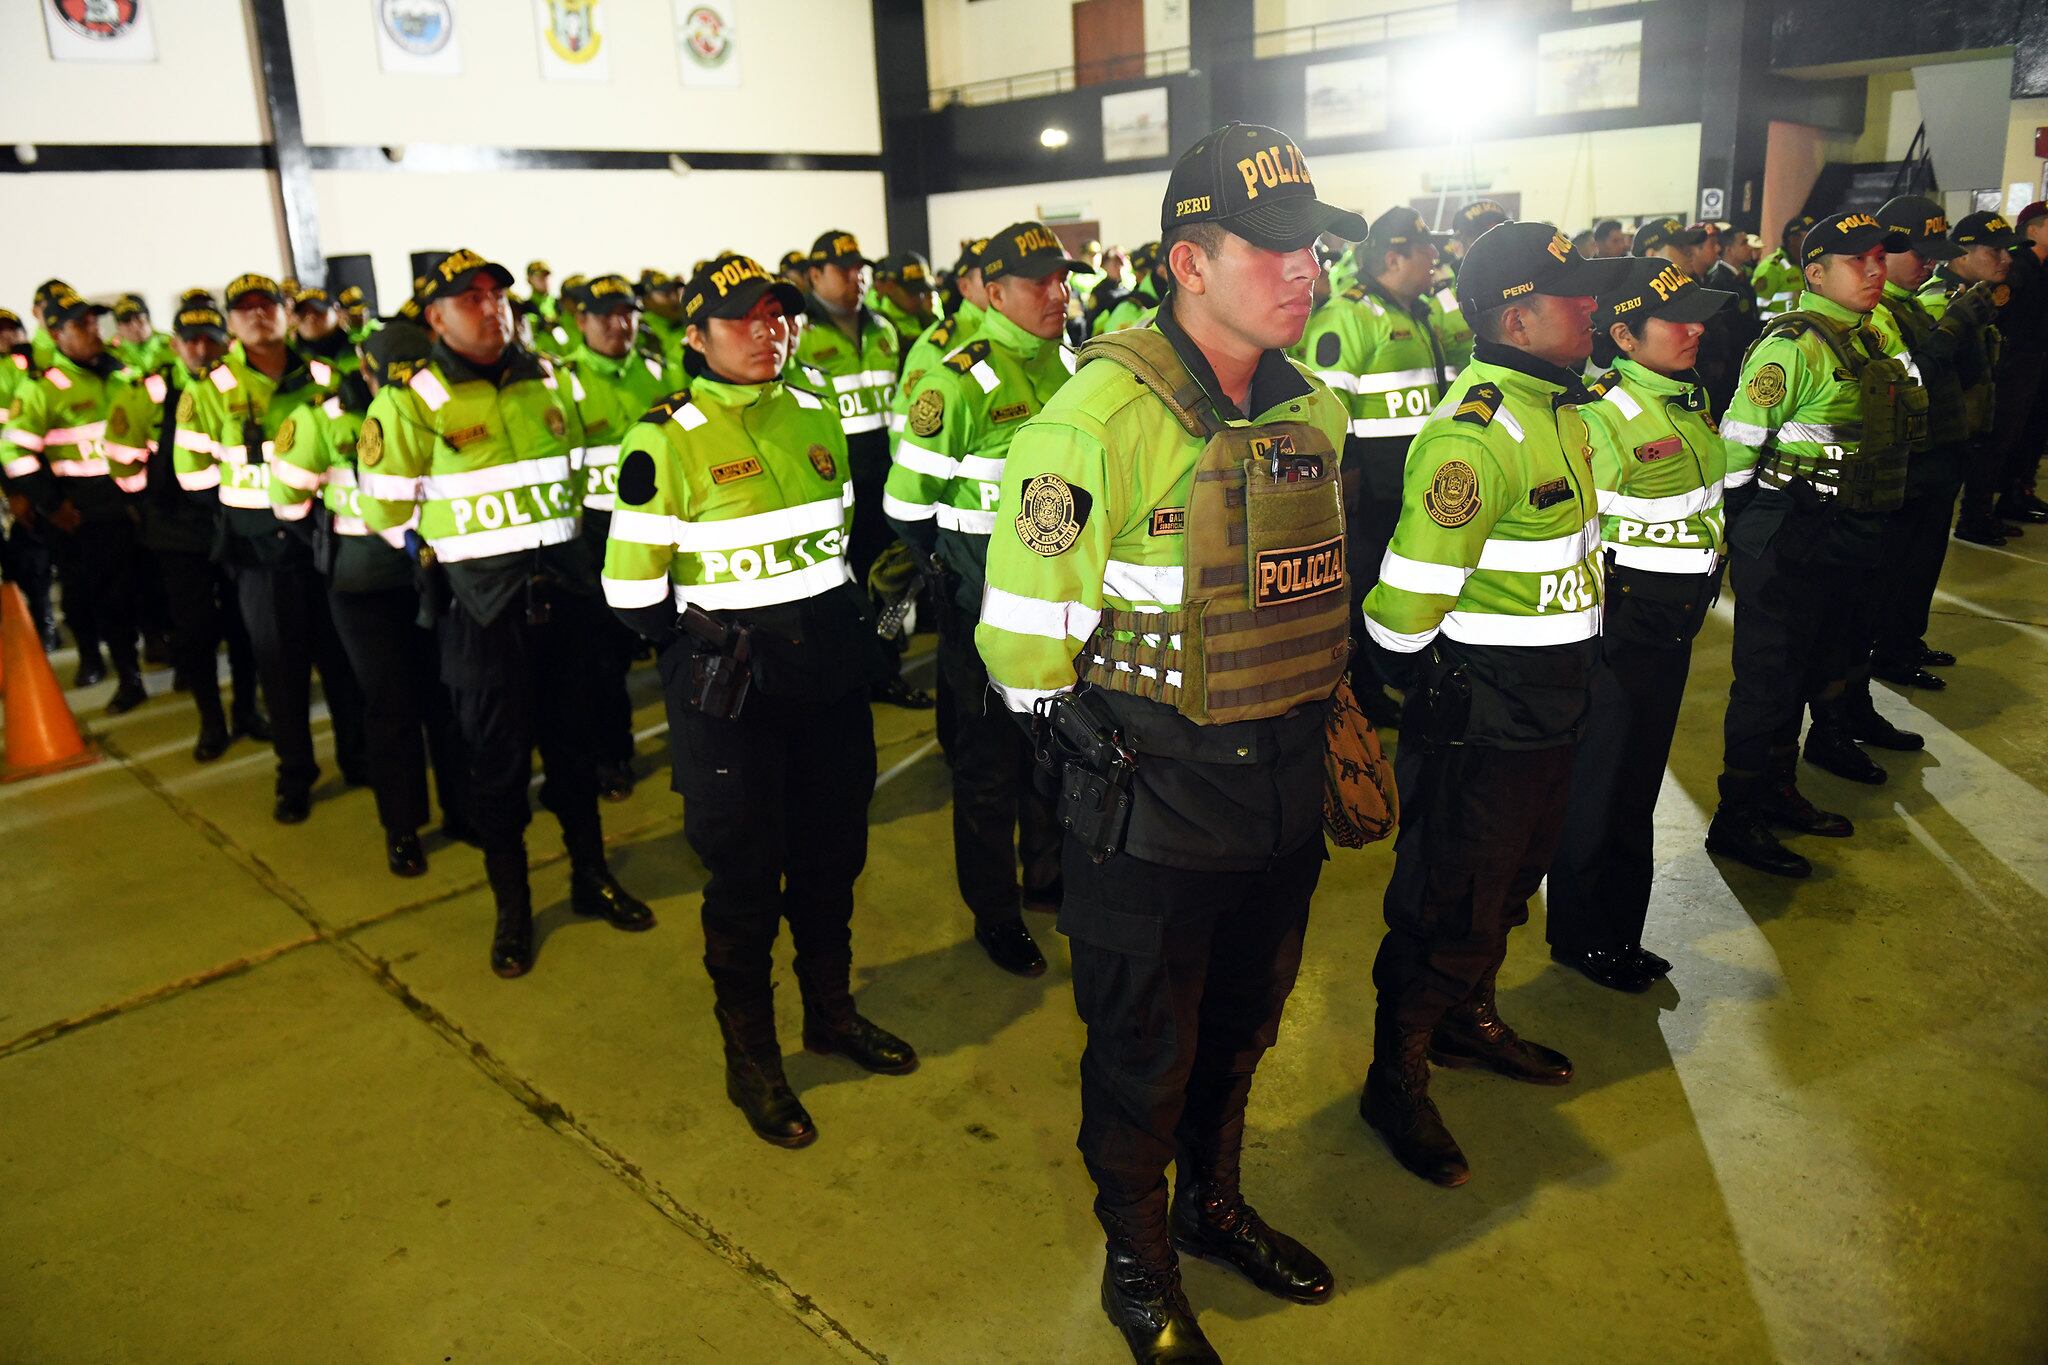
{"points": [[1134, 125], [1590, 68], [1345, 99]]}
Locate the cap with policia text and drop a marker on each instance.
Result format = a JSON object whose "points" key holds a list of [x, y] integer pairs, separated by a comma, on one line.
{"points": [[1849, 234], [1799, 222], [1923, 222], [350, 297], [1026, 249], [1984, 229], [310, 299], [1666, 232], [10, 318], [1144, 258], [454, 274], [653, 281], [1252, 181], [1477, 218], [1514, 260], [730, 285], [836, 248], [792, 260], [130, 306], [539, 268], [198, 318], [602, 294], [64, 304], [907, 268], [970, 255], [393, 352], [1656, 289], [1399, 228], [251, 286]]}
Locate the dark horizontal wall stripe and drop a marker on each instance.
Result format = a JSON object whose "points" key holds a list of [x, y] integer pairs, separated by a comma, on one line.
{"points": [[418, 158]]}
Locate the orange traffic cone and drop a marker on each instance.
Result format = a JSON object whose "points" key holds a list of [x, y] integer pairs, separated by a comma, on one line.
{"points": [[41, 735]]}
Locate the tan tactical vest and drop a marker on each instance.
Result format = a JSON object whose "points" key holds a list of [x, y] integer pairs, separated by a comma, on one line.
{"points": [[1866, 466], [1264, 624]]}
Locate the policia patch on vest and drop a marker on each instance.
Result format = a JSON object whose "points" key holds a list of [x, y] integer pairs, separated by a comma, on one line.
{"points": [[1766, 388], [370, 444], [1280, 576], [1453, 496], [1052, 515], [927, 413]]}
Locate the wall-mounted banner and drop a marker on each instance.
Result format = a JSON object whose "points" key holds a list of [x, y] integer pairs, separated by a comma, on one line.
{"points": [[572, 46], [100, 30], [1134, 125], [705, 46], [416, 37]]}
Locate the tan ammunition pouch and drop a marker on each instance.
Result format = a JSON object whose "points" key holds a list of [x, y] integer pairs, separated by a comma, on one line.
{"points": [[1264, 624], [1870, 473]]}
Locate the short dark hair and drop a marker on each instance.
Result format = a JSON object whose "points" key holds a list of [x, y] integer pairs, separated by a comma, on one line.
{"points": [[1604, 350], [1208, 236], [1606, 226], [1584, 240], [1487, 325]]}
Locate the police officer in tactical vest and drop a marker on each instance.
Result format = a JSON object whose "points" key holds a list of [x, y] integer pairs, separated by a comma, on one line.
{"points": [[1166, 598], [1487, 614], [467, 464], [1817, 439]]}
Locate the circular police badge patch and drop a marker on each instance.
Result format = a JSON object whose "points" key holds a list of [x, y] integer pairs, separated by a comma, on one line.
{"points": [[370, 444], [555, 422], [117, 424], [821, 460], [928, 413], [2000, 294], [1052, 515], [188, 407], [1453, 496], [287, 436], [1766, 388]]}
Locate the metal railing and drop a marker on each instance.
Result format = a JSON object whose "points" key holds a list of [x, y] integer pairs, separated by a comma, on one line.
{"points": [[1165, 61]]}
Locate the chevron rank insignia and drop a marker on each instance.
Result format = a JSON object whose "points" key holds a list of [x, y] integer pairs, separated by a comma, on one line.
{"points": [[968, 356], [1482, 401]]}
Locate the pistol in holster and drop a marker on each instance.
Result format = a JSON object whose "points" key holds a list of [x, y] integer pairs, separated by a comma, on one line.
{"points": [[722, 669], [1440, 708], [429, 579], [1078, 741]]}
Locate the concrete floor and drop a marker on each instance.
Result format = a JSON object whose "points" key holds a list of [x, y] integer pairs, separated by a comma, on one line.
{"points": [[263, 1102]]}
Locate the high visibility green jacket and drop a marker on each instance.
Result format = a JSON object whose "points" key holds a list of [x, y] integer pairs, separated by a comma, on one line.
{"points": [[145, 356], [862, 373], [947, 472], [1451, 327], [316, 461], [1132, 308], [1384, 357], [934, 344], [227, 429], [553, 338], [1495, 562], [615, 393], [1658, 466], [1344, 271], [336, 352], [15, 368], [663, 337], [909, 327], [1779, 283], [78, 434], [485, 471]]}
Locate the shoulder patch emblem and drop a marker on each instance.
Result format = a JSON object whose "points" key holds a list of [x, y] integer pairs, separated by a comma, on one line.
{"points": [[117, 423], [1356, 293], [927, 413], [555, 421], [1482, 401], [1453, 496], [1169, 521], [370, 444], [736, 470], [188, 406], [1766, 388], [2000, 295], [287, 436], [1010, 412], [968, 356], [636, 479], [910, 380], [821, 460], [1052, 515], [1328, 347]]}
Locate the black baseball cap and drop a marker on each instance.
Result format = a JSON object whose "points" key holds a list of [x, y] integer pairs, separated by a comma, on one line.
{"points": [[1478, 218], [1924, 224], [792, 260], [730, 285], [601, 293], [1145, 257], [1666, 232], [130, 306], [246, 285], [908, 268], [539, 268], [1512, 260], [197, 318], [1253, 181], [1028, 249], [310, 298], [1986, 228], [350, 297], [1656, 289], [1849, 234], [835, 247], [395, 350], [49, 289], [1799, 222], [653, 281], [454, 273], [1400, 227], [9, 318], [65, 303]]}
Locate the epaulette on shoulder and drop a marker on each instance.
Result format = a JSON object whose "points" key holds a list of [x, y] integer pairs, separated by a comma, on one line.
{"points": [[1600, 387], [1482, 401], [667, 407], [968, 356], [942, 332], [1356, 293]]}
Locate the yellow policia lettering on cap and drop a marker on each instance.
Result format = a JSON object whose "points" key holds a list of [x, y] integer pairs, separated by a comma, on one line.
{"points": [[736, 272], [459, 262], [1560, 246], [1280, 164], [1669, 281], [1035, 239], [1198, 204], [1935, 227], [1856, 220]]}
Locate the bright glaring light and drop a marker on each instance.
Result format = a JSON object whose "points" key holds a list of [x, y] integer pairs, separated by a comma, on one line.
{"points": [[1053, 137]]}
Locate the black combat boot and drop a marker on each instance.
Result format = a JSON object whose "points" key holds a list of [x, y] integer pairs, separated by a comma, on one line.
{"points": [[832, 1027], [1472, 1035], [1397, 1105], [753, 1075], [593, 891], [512, 942], [1741, 831], [1141, 1289], [128, 694], [1211, 1219], [1866, 726], [1832, 748]]}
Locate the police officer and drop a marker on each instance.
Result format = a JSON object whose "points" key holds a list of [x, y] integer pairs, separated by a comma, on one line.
{"points": [[25, 554], [180, 532], [319, 331], [138, 344], [76, 449], [1171, 531], [1779, 278], [661, 316], [1468, 225], [1731, 329], [1378, 346], [1487, 614], [942, 338], [729, 548], [903, 296], [2002, 398], [1150, 282], [538, 276], [355, 315], [2024, 326], [1610, 239], [1110, 290], [942, 489], [1668, 239], [616, 382], [793, 269], [376, 604], [1657, 464], [1816, 436], [473, 455], [227, 428]]}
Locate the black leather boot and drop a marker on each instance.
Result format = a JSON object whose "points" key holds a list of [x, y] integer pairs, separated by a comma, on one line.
{"points": [[1396, 1104], [1472, 1035], [1142, 1294], [92, 669], [512, 941], [128, 694], [1739, 832], [1831, 748], [832, 1027], [596, 894], [753, 1076], [1782, 803], [1214, 1222], [1866, 726]]}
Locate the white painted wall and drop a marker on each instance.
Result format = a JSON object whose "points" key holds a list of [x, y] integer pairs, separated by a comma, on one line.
{"points": [[200, 88], [1569, 180], [986, 39]]}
